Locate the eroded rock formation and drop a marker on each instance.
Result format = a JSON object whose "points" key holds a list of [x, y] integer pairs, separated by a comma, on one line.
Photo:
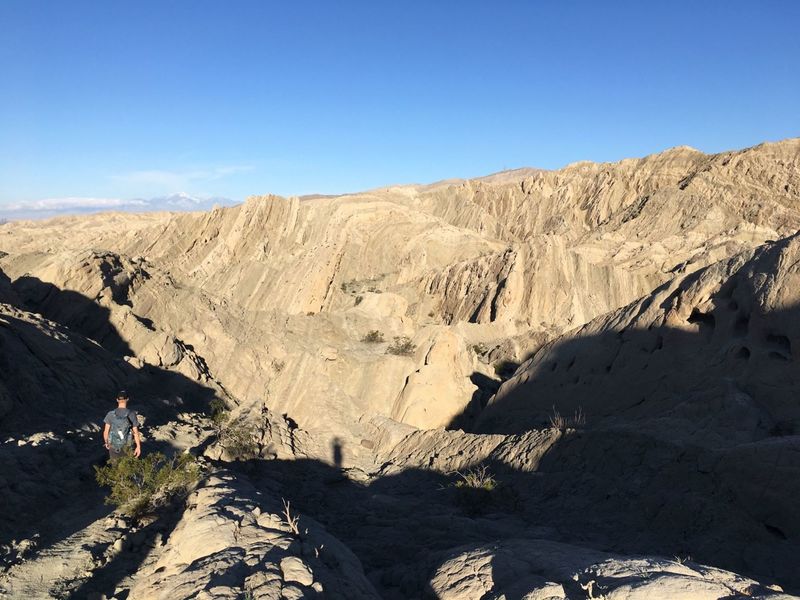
{"points": [[651, 304]]}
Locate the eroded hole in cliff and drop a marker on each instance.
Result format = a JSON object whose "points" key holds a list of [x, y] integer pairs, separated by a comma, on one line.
{"points": [[704, 321], [741, 326], [776, 531], [780, 343]]}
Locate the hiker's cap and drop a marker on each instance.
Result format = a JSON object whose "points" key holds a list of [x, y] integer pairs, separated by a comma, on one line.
{"points": [[122, 394]]}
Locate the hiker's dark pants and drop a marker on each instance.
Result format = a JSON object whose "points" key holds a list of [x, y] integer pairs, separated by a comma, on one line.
{"points": [[115, 455]]}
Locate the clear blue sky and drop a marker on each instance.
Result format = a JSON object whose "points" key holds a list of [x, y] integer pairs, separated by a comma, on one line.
{"points": [[112, 99]]}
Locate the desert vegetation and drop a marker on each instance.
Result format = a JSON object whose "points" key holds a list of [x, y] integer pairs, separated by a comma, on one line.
{"points": [[478, 478], [143, 485], [564, 422], [373, 337], [237, 436], [479, 492], [401, 346], [423, 443]]}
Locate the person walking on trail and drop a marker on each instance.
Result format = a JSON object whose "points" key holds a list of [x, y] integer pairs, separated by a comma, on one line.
{"points": [[122, 424]]}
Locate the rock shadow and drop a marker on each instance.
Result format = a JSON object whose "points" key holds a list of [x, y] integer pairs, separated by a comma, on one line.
{"points": [[56, 385], [71, 309], [679, 440]]}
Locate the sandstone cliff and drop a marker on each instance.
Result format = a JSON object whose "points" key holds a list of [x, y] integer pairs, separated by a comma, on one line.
{"points": [[651, 303]]}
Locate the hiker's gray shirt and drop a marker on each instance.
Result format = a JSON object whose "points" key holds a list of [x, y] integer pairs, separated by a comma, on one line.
{"points": [[122, 412]]}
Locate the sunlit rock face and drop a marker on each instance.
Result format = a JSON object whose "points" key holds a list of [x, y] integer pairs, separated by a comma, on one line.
{"points": [[616, 344]]}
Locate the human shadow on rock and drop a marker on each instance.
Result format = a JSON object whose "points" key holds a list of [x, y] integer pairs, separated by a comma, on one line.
{"points": [[425, 518]]}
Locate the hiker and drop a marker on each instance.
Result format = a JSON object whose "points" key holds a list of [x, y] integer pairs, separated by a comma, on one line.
{"points": [[120, 423]]}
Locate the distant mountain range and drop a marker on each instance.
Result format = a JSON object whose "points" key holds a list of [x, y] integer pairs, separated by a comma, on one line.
{"points": [[54, 207]]}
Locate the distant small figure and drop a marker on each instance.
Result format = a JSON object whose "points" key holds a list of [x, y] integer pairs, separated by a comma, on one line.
{"points": [[338, 458], [121, 424]]}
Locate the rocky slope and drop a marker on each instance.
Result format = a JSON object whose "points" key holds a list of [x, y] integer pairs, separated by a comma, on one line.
{"points": [[656, 416]]}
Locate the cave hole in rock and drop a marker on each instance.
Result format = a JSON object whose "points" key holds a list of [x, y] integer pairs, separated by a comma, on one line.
{"points": [[741, 325], [704, 321], [780, 343], [776, 531]]}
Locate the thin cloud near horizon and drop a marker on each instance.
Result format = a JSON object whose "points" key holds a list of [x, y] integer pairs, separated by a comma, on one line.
{"points": [[178, 179], [50, 207]]}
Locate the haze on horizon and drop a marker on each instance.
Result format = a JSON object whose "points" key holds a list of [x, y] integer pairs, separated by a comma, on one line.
{"points": [[125, 106]]}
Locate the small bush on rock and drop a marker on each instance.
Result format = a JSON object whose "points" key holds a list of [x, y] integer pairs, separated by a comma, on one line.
{"points": [[562, 423], [477, 478], [219, 411], [239, 439], [401, 346], [142, 485], [373, 337], [478, 492]]}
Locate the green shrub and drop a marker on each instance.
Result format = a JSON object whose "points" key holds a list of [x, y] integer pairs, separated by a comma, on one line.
{"points": [[401, 346], [142, 485], [373, 337], [219, 411], [478, 492], [477, 478], [237, 437], [359, 300], [239, 440]]}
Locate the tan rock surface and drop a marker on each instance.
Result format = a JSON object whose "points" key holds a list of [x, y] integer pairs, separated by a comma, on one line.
{"points": [[541, 569], [256, 285], [228, 543], [648, 291]]}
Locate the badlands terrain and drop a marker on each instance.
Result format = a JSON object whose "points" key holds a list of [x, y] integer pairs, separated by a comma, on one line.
{"points": [[615, 345]]}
